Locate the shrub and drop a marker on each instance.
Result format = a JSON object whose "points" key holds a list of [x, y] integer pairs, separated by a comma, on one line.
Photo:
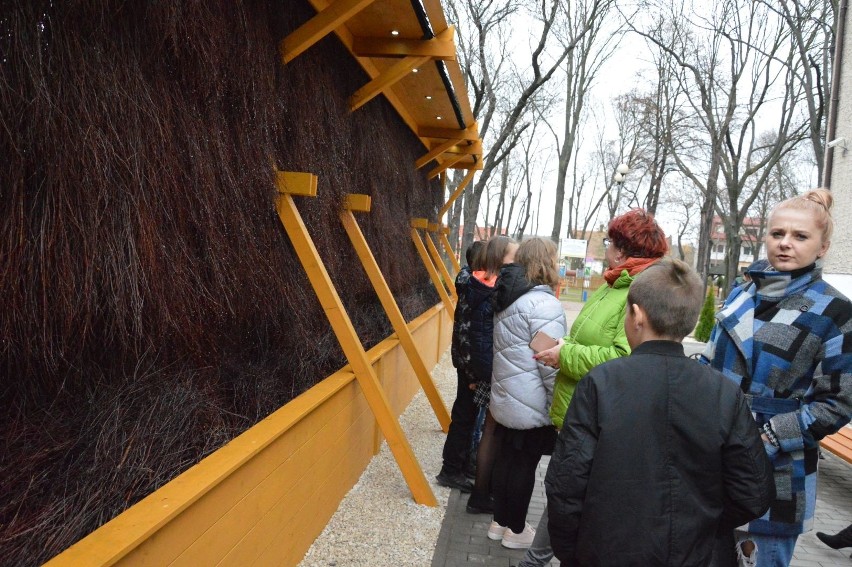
{"points": [[707, 317]]}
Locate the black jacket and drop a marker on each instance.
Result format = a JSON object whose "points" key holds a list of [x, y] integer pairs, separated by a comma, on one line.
{"points": [[460, 344], [655, 451], [481, 331], [511, 285]]}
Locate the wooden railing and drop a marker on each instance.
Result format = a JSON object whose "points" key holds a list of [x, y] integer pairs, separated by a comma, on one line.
{"points": [[264, 497]]}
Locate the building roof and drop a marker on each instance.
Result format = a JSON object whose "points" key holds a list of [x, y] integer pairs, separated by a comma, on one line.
{"points": [[408, 50]]}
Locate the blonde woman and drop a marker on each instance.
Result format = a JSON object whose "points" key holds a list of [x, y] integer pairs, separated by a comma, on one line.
{"points": [[786, 339]]}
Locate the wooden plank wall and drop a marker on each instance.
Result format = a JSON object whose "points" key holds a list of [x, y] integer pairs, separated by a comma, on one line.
{"points": [[265, 496]]}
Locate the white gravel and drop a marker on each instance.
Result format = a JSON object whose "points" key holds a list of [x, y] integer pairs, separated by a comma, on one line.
{"points": [[378, 522]]}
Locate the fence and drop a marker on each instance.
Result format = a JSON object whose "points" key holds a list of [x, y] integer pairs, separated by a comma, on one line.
{"points": [[265, 496]]}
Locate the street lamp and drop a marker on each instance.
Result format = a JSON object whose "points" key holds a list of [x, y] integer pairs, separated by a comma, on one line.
{"points": [[620, 172]]}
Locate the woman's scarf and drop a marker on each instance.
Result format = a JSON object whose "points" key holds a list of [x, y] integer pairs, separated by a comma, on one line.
{"points": [[632, 265]]}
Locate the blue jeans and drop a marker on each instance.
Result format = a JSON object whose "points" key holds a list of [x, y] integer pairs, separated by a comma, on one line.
{"points": [[772, 551]]}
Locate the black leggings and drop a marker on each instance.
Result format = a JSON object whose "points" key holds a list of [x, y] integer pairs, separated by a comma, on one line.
{"points": [[486, 454], [513, 480]]}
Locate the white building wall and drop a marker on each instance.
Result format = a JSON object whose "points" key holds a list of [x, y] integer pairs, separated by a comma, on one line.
{"points": [[838, 263]]}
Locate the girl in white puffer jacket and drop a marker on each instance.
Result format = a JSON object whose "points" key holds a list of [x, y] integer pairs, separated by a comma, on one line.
{"points": [[521, 387]]}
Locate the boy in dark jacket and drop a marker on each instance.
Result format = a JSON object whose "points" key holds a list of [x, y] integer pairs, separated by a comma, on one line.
{"points": [[656, 449]]}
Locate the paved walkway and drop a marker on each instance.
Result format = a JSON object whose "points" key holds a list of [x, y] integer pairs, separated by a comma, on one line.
{"points": [[462, 540]]}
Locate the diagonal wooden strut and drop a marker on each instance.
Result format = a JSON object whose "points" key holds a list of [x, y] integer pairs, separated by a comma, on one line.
{"points": [[464, 183], [395, 73], [395, 317], [352, 348], [430, 267], [336, 14], [439, 262], [389, 77], [449, 250]]}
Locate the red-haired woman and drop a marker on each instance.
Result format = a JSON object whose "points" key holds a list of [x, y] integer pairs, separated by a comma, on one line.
{"points": [[634, 242]]}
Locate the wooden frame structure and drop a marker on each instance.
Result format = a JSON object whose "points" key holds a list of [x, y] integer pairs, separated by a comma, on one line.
{"points": [[306, 184], [399, 55], [265, 496], [361, 203]]}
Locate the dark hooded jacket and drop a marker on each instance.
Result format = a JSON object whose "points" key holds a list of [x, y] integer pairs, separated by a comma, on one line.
{"points": [[478, 296]]}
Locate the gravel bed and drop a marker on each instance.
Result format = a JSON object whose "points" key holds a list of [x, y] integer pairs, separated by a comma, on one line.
{"points": [[378, 522]]}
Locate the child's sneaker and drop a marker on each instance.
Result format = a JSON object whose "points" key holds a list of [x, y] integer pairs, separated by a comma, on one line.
{"points": [[518, 541], [496, 531]]}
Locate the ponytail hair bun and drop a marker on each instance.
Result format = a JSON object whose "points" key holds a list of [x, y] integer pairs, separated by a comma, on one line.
{"points": [[818, 202]]}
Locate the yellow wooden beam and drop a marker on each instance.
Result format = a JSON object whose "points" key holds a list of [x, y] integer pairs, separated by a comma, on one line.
{"points": [[353, 349], [464, 182], [439, 169], [476, 165], [389, 47], [389, 77], [419, 223], [435, 152], [469, 133], [296, 183], [393, 74], [433, 271], [442, 267], [357, 202], [468, 148], [395, 316], [336, 14], [449, 250]]}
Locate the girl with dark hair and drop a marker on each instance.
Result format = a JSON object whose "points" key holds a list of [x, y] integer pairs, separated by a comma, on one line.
{"points": [[474, 353], [463, 414]]}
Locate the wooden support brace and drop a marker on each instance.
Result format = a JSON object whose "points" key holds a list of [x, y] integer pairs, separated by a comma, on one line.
{"points": [[296, 183], [469, 133], [467, 147], [388, 77], [450, 161], [449, 250], [477, 165], [353, 349], [430, 267], [395, 316], [394, 73], [464, 182], [439, 262], [435, 152], [395, 47], [336, 14], [357, 202]]}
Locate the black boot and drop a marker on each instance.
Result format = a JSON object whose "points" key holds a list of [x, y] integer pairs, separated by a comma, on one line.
{"points": [[841, 539]]}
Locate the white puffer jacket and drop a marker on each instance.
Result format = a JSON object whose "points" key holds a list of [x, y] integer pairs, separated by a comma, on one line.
{"points": [[521, 387]]}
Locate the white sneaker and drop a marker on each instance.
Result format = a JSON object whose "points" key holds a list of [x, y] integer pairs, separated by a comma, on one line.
{"points": [[518, 541], [496, 531], [742, 560]]}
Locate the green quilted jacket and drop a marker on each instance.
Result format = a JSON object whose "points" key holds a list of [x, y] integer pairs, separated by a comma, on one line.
{"points": [[596, 336]]}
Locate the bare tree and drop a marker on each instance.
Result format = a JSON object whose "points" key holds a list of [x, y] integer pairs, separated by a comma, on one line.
{"points": [[502, 98], [585, 24], [695, 67], [730, 85], [811, 27], [683, 199]]}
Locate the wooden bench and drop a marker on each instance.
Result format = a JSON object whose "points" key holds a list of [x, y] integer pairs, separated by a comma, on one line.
{"points": [[840, 444]]}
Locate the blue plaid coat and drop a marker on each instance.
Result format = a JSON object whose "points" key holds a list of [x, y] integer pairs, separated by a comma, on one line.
{"points": [[786, 339]]}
